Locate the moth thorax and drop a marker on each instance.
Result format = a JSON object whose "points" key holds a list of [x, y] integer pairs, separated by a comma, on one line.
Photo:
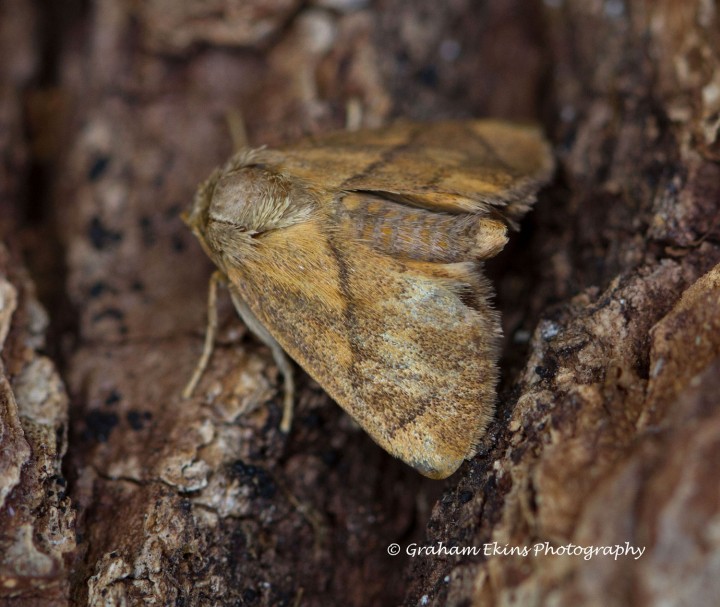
{"points": [[256, 199]]}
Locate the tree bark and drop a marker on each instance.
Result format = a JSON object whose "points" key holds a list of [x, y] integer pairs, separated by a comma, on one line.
{"points": [[608, 426]]}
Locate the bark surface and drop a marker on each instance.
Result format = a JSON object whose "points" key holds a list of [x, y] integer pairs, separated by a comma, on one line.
{"points": [[115, 491]]}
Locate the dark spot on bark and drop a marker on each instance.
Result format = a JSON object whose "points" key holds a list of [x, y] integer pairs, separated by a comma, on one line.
{"points": [[311, 420], [99, 425], [173, 211], [98, 289], [60, 435], [100, 236], [147, 231], [113, 398], [98, 167], [178, 243], [249, 595], [136, 419], [330, 457], [546, 371], [465, 497], [428, 75], [256, 477]]}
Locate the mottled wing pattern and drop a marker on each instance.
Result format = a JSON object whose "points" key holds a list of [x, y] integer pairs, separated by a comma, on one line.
{"points": [[407, 348]]}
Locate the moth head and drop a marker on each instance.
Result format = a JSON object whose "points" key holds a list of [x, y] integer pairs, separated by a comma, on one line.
{"points": [[244, 202]]}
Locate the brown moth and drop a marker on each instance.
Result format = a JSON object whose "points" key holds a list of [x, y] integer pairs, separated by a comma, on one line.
{"points": [[359, 255]]}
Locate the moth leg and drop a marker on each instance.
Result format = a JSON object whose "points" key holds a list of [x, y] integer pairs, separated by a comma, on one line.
{"points": [[210, 334], [281, 359]]}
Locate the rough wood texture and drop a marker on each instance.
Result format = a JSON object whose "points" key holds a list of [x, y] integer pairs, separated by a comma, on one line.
{"points": [[608, 429], [37, 521]]}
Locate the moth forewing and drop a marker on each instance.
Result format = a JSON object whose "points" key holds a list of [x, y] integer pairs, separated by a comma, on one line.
{"points": [[358, 255]]}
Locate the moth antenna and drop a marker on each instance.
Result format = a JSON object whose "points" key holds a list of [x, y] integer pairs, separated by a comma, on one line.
{"points": [[210, 334], [353, 114], [238, 131]]}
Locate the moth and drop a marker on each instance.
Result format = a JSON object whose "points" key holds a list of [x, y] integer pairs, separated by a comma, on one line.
{"points": [[359, 255]]}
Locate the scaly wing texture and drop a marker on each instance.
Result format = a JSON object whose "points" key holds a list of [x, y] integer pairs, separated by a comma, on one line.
{"points": [[455, 167], [370, 277], [407, 348]]}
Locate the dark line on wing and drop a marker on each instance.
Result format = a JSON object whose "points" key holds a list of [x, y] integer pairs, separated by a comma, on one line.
{"points": [[432, 183], [493, 154], [385, 157], [348, 312], [420, 408]]}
